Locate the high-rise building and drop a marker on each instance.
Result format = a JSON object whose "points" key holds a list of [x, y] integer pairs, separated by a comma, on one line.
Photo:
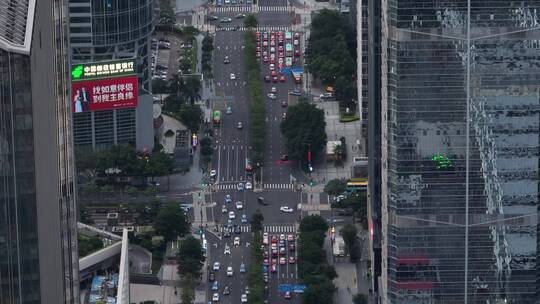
{"points": [[38, 232], [459, 151], [104, 30]]}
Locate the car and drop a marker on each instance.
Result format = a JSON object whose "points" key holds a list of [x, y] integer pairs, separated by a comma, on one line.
{"points": [[296, 42], [239, 16], [213, 173], [243, 298], [258, 54], [228, 110], [266, 262], [274, 239], [282, 261], [274, 253], [272, 67], [297, 53], [295, 92], [284, 116], [232, 76], [265, 279], [230, 271], [216, 266], [265, 58], [265, 238], [212, 277], [240, 187], [284, 103], [247, 290], [262, 201], [273, 268], [281, 55], [326, 95], [282, 78], [280, 48], [228, 198], [272, 49], [249, 186], [296, 35], [292, 260], [272, 59], [282, 251], [237, 229], [272, 42], [226, 291], [271, 96], [231, 215], [273, 90], [267, 78], [265, 43], [273, 73], [291, 247], [259, 50], [239, 125], [282, 237], [215, 297], [212, 18], [224, 209], [239, 205], [242, 268], [290, 238], [244, 219], [236, 241], [227, 250], [215, 285], [281, 243], [225, 20], [280, 62], [273, 246], [227, 60], [287, 295], [286, 209]]}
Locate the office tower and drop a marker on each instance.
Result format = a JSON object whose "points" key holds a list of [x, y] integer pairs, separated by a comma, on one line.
{"points": [[459, 151], [104, 30], [38, 240]]}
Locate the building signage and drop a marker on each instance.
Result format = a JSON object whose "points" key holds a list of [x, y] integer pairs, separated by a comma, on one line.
{"points": [[104, 86]]}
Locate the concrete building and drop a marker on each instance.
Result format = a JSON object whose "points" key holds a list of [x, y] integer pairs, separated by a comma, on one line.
{"points": [[108, 30], [459, 129], [38, 236]]}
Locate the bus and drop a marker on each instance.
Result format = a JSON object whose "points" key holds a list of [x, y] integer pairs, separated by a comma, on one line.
{"points": [[357, 183], [249, 167], [217, 118]]}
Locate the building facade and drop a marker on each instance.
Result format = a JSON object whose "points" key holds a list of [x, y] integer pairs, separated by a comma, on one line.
{"points": [[459, 151], [102, 30], [38, 233]]}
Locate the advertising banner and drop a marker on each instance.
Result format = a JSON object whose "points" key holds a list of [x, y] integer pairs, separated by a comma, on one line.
{"points": [[104, 85], [104, 94]]}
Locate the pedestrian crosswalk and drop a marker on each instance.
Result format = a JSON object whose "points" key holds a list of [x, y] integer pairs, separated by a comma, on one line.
{"points": [[231, 186], [235, 8], [280, 228], [275, 8], [262, 28]]}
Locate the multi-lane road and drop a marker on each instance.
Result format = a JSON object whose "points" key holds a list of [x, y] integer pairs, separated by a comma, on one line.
{"points": [[232, 148]]}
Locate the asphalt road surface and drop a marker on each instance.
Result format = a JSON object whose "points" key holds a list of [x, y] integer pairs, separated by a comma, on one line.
{"points": [[231, 150]]}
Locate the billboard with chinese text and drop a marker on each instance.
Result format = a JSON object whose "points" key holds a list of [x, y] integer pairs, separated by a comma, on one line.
{"points": [[104, 86]]}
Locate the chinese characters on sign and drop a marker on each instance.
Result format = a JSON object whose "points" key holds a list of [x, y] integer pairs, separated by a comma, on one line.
{"points": [[108, 69], [103, 94]]}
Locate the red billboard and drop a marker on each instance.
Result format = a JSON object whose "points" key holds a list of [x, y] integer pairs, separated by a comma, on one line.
{"points": [[104, 94]]}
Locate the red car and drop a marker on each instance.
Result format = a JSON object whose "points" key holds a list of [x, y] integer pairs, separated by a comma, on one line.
{"points": [[280, 48], [274, 238], [297, 35], [297, 53], [273, 73], [274, 261], [272, 59], [284, 103], [282, 78], [281, 55], [290, 238]]}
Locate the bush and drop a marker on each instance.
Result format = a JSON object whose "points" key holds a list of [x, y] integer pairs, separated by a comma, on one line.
{"points": [[348, 118]]}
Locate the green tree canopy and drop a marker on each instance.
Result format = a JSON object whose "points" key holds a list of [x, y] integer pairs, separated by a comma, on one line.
{"points": [[159, 163], [257, 221], [191, 116], [171, 222], [121, 157], [349, 232], [313, 223], [335, 187], [360, 299], [190, 257], [304, 125], [320, 293], [192, 89], [251, 21]]}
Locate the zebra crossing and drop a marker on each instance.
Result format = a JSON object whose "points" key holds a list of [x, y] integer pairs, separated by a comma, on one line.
{"points": [[261, 28], [275, 8], [236, 8], [267, 228], [231, 186]]}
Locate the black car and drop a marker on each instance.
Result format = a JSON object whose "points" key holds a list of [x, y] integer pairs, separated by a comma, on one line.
{"points": [[212, 277], [267, 78], [262, 201], [212, 18], [296, 92]]}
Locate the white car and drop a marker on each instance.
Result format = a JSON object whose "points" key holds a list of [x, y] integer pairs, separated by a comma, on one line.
{"points": [[239, 125], [236, 241], [215, 297], [227, 250], [265, 238], [243, 298], [272, 67], [271, 96], [272, 50], [273, 90], [249, 186], [286, 209], [247, 290], [230, 271], [239, 205], [216, 266], [231, 215], [233, 77], [224, 209], [213, 173]]}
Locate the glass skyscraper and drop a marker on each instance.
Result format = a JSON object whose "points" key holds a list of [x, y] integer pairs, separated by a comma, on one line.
{"points": [[459, 151], [38, 237]]}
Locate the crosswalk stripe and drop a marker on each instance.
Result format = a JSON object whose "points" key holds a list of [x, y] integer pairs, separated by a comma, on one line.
{"points": [[274, 8], [280, 229], [264, 28]]}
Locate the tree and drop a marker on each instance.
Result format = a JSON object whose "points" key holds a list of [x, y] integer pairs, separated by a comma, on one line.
{"points": [[171, 222], [206, 147], [192, 89], [190, 257], [335, 187], [89, 244], [176, 85], [360, 298], [320, 293], [160, 86], [313, 223], [257, 221], [349, 232], [304, 127], [120, 157], [159, 163], [191, 116], [251, 21]]}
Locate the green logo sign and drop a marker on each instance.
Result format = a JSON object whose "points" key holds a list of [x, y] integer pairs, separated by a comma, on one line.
{"points": [[77, 72]]}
